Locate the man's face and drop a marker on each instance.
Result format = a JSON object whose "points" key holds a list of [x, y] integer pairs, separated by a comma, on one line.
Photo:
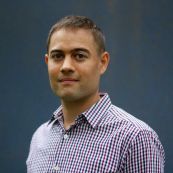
{"points": [[74, 65]]}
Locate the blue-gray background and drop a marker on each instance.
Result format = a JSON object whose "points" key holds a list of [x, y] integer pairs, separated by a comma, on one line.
{"points": [[139, 79]]}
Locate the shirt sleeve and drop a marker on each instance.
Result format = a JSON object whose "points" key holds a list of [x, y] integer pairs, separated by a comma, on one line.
{"points": [[145, 155]]}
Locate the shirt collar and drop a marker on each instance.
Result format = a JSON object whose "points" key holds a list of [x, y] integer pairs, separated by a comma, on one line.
{"points": [[97, 112], [94, 114], [57, 114]]}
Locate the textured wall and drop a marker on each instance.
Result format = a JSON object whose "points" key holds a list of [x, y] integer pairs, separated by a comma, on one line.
{"points": [[139, 79]]}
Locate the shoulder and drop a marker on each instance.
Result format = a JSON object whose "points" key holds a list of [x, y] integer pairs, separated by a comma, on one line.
{"points": [[127, 120], [38, 139], [135, 135], [41, 129], [39, 135], [127, 127]]}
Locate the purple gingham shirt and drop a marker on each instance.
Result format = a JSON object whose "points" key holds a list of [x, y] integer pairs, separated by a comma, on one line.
{"points": [[104, 138]]}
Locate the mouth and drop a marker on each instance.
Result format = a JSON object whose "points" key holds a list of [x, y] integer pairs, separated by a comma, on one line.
{"points": [[67, 80]]}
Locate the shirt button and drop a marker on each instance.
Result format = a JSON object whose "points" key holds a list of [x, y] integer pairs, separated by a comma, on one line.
{"points": [[66, 136], [56, 167]]}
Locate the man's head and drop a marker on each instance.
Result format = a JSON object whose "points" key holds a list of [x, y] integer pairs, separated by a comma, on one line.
{"points": [[75, 59], [79, 22]]}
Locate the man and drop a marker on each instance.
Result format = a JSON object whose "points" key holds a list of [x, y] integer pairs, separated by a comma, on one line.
{"points": [[87, 133]]}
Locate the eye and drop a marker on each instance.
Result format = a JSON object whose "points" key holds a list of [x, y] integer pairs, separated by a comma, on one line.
{"points": [[57, 56], [80, 56]]}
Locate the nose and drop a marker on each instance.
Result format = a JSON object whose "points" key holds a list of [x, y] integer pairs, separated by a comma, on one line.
{"points": [[67, 65]]}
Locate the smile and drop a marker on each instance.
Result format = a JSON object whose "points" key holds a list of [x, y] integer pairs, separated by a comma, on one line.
{"points": [[68, 80]]}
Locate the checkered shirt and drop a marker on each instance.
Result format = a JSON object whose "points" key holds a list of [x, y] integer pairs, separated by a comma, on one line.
{"points": [[104, 138]]}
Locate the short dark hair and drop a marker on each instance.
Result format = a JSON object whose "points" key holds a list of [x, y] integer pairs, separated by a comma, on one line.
{"points": [[79, 22]]}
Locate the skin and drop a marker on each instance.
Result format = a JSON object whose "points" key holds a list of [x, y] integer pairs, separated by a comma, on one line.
{"points": [[74, 68]]}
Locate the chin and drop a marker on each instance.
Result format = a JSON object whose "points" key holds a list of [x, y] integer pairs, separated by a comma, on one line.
{"points": [[67, 96]]}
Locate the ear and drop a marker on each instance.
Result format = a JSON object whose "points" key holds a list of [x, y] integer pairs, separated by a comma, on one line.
{"points": [[104, 62], [46, 58]]}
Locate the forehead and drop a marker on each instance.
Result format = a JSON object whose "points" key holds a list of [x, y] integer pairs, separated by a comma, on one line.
{"points": [[72, 38]]}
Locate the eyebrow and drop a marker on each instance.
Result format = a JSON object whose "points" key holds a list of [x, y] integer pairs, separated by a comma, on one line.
{"points": [[81, 49], [56, 50], [73, 50]]}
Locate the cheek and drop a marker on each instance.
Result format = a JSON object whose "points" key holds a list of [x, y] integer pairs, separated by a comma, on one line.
{"points": [[92, 74], [53, 71]]}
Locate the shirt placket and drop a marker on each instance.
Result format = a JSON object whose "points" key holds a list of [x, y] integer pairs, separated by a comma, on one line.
{"points": [[60, 149]]}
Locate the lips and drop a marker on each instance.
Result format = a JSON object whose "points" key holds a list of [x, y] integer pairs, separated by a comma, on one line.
{"points": [[67, 80]]}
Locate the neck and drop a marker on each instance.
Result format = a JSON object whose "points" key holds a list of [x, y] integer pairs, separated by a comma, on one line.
{"points": [[71, 109]]}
